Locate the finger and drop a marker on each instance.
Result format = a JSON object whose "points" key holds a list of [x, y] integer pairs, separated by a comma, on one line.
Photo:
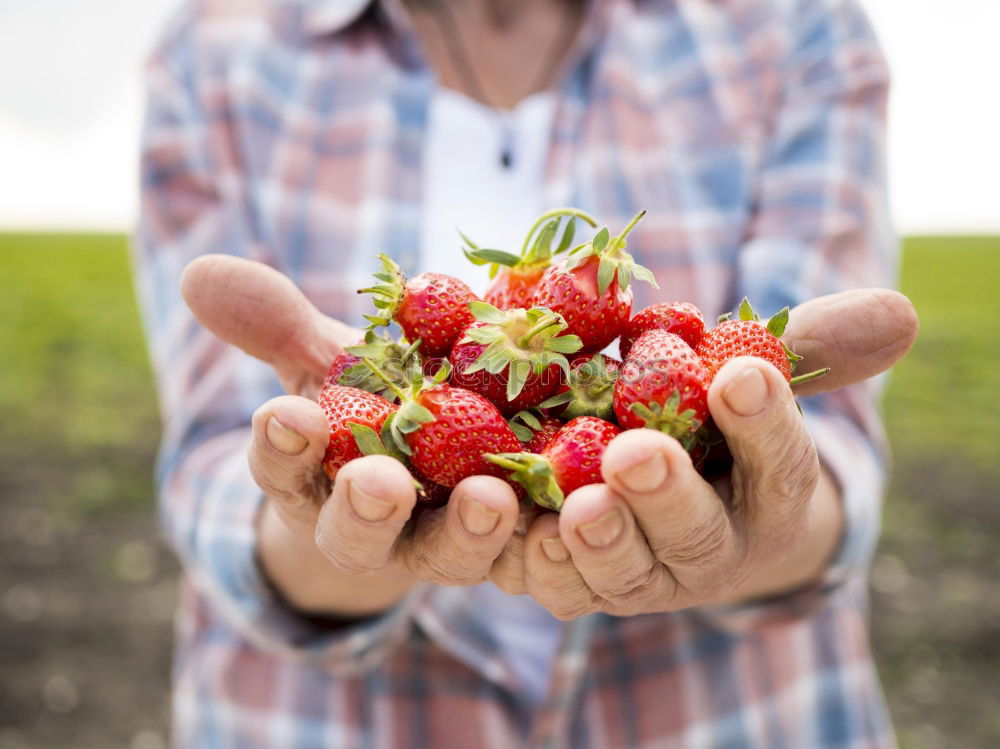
{"points": [[776, 466], [288, 439], [857, 334], [458, 544], [552, 578], [507, 572], [611, 553], [685, 523], [256, 308], [360, 525]]}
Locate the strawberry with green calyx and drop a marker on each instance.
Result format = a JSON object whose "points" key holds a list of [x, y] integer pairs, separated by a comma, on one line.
{"points": [[682, 318], [432, 366], [571, 459], [445, 430], [430, 307], [749, 336], [371, 442], [515, 277], [535, 430], [591, 287], [512, 357], [589, 390], [352, 413], [663, 385], [397, 359], [340, 364]]}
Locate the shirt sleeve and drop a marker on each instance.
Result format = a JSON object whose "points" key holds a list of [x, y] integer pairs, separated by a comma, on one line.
{"points": [[193, 203], [820, 225]]}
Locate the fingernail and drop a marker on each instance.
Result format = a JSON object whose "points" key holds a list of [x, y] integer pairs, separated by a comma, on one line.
{"points": [[366, 506], [283, 439], [478, 519], [603, 531], [647, 475], [747, 393], [555, 549]]}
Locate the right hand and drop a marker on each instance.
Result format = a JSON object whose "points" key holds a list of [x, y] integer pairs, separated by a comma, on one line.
{"points": [[349, 549]]}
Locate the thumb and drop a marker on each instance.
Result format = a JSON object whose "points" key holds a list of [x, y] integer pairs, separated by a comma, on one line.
{"points": [[259, 310], [857, 334], [776, 466]]}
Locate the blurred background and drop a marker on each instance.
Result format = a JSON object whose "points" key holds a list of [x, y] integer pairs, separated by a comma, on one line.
{"points": [[87, 590]]}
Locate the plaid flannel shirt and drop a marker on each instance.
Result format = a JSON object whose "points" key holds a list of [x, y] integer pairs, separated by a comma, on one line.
{"points": [[291, 131]]}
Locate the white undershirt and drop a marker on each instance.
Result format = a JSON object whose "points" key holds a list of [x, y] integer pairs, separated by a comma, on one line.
{"points": [[465, 186]]}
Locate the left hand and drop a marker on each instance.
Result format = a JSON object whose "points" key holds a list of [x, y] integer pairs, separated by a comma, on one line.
{"points": [[657, 537]]}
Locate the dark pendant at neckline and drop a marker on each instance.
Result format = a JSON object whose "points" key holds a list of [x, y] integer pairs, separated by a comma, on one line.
{"points": [[506, 144]]}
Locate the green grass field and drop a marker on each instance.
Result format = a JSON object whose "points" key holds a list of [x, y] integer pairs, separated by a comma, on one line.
{"points": [[80, 427]]}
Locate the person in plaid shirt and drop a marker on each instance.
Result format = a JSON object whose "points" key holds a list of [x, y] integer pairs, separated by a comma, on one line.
{"points": [[656, 610]]}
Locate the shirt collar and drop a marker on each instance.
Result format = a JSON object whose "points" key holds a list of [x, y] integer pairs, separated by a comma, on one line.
{"points": [[321, 17]]}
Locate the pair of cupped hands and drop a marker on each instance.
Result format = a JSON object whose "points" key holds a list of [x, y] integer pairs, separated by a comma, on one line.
{"points": [[655, 536]]}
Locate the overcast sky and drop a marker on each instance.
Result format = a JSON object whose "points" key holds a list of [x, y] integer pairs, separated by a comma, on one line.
{"points": [[70, 107]]}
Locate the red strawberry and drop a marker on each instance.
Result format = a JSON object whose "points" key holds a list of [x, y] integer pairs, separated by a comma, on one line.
{"points": [[515, 277], [534, 430], [514, 287], [544, 436], [662, 385], [748, 336], [341, 363], [463, 426], [681, 318], [397, 359], [512, 358], [343, 407], [590, 289], [589, 390], [432, 307], [445, 430], [571, 459], [734, 338]]}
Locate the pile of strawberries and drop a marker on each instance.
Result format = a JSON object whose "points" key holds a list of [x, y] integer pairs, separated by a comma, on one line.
{"points": [[515, 385]]}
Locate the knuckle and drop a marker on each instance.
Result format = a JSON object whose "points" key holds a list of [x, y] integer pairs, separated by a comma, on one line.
{"points": [[343, 560], [507, 571], [354, 558], [272, 489], [438, 556], [566, 600], [265, 474], [712, 591], [701, 546], [289, 487], [509, 583], [441, 568], [636, 587], [797, 476], [353, 567], [568, 611]]}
